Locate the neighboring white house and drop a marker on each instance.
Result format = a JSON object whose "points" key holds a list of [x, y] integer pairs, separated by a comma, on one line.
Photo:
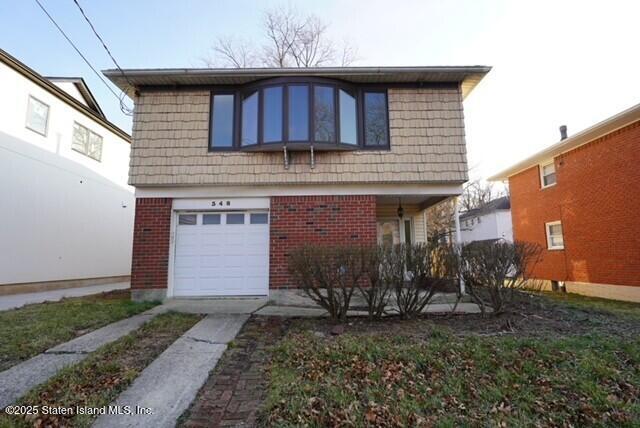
{"points": [[67, 211], [493, 221]]}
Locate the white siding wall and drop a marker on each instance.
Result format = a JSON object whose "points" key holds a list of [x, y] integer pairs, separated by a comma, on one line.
{"points": [[494, 225], [62, 213]]}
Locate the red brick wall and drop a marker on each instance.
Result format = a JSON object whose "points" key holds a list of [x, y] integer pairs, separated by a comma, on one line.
{"points": [[322, 220], [151, 234], [597, 198]]}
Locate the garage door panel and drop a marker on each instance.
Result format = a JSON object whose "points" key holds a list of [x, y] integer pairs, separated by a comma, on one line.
{"points": [[217, 259]]}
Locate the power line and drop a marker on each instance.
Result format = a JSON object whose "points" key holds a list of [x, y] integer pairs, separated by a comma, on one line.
{"points": [[122, 106], [104, 45]]}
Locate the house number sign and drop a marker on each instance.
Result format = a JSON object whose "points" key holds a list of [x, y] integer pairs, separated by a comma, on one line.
{"points": [[220, 203]]}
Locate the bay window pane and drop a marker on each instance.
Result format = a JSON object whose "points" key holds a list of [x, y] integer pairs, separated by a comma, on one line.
{"points": [[348, 123], [298, 113], [375, 119], [272, 114], [222, 121], [324, 114], [250, 120]]}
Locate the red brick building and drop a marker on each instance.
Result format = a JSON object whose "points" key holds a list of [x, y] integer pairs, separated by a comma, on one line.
{"points": [[236, 169], [580, 200]]}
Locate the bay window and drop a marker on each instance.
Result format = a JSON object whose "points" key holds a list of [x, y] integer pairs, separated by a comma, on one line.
{"points": [[299, 113]]}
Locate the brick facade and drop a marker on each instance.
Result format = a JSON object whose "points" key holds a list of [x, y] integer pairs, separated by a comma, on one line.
{"points": [[597, 198], [321, 220], [151, 235]]}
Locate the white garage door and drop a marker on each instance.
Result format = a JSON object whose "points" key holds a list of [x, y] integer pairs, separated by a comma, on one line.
{"points": [[221, 254]]}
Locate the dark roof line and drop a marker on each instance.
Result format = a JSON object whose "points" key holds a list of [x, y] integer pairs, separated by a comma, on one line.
{"points": [[502, 203], [50, 87]]}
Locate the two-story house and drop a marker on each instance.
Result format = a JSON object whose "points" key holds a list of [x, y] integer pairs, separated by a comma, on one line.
{"points": [[488, 223], [67, 211], [578, 200], [235, 169]]}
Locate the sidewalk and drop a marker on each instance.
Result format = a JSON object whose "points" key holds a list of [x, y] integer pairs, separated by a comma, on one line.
{"points": [[14, 301]]}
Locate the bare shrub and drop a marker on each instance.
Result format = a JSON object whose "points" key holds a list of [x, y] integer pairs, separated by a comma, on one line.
{"points": [[328, 275], [493, 271], [375, 291], [416, 272]]}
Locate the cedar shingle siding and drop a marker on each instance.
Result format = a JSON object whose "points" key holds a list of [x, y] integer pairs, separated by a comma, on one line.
{"points": [[170, 138]]}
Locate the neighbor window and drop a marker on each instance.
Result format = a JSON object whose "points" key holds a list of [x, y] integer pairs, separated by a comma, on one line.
{"points": [[375, 119], [548, 174], [222, 121], [37, 116], [86, 142], [555, 240], [297, 111]]}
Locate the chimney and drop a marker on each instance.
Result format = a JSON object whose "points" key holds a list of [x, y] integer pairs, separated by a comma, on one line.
{"points": [[563, 132]]}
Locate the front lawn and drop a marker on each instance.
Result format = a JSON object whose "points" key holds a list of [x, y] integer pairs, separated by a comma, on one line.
{"points": [[551, 363], [99, 379], [31, 330]]}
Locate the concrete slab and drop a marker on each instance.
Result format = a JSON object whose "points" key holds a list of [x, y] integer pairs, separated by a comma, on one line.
{"points": [[170, 383], [18, 300], [213, 306], [19, 379], [217, 329], [97, 338]]}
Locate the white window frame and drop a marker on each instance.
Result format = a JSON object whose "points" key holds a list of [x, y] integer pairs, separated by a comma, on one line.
{"points": [[547, 227], [46, 121], [541, 168], [89, 132]]}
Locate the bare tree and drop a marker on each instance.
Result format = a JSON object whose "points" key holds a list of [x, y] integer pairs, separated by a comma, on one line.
{"points": [[477, 194], [441, 221], [290, 40]]}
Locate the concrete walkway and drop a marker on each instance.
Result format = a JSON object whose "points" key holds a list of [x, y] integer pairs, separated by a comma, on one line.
{"points": [[170, 383], [13, 301], [19, 379]]}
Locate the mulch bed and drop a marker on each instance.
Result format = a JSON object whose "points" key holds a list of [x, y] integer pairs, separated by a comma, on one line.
{"points": [[236, 388]]}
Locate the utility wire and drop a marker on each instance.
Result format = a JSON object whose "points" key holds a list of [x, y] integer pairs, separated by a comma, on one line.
{"points": [[122, 106], [104, 45]]}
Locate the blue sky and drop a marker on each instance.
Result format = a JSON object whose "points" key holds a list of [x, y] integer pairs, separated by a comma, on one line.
{"points": [[555, 62]]}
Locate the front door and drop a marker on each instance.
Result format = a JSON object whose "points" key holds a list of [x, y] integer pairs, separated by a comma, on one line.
{"points": [[394, 231]]}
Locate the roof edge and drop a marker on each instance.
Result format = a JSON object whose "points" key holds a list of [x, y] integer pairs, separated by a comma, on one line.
{"points": [[50, 87], [600, 129]]}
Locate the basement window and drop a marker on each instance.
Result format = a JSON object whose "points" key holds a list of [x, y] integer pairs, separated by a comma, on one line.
{"points": [[555, 239]]}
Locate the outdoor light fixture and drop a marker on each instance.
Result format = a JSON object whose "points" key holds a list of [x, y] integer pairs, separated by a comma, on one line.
{"points": [[400, 209]]}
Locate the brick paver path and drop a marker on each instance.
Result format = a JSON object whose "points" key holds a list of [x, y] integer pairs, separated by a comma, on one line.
{"points": [[235, 390]]}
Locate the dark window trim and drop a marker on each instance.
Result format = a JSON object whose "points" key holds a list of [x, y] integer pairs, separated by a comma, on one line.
{"points": [[386, 102], [240, 92], [235, 138]]}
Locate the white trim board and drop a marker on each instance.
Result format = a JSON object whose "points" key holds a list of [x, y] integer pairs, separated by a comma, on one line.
{"points": [[298, 190]]}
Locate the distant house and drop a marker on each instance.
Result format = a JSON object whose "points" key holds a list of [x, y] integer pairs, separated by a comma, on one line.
{"points": [[579, 200], [490, 222], [67, 211]]}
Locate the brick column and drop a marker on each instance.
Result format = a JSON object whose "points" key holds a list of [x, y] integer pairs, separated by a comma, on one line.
{"points": [[150, 258], [322, 220]]}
